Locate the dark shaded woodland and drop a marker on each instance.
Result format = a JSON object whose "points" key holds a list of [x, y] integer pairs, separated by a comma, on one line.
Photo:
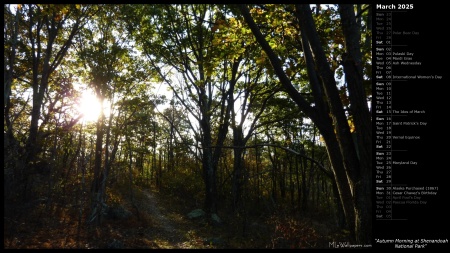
{"points": [[207, 126]]}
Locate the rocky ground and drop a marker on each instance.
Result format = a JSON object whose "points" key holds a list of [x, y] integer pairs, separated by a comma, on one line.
{"points": [[150, 221]]}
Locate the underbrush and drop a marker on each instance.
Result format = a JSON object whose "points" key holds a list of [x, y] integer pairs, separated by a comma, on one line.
{"points": [[60, 223]]}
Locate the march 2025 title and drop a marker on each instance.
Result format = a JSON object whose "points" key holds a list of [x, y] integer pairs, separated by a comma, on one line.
{"points": [[394, 6]]}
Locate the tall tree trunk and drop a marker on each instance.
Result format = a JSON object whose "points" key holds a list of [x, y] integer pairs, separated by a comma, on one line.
{"points": [[237, 180], [341, 179], [297, 177], [291, 182], [282, 180], [96, 189], [171, 158], [38, 97], [159, 175], [130, 168], [340, 215], [341, 150], [273, 158], [44, 64], [8, 67], [108, 156], [353, 69], [209, 172], [153, 170], [9, 58]]}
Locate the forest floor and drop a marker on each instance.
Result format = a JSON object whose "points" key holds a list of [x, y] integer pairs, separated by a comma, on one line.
{"points": [[160, 222]]}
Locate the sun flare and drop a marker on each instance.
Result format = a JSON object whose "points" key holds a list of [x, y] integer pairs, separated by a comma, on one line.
{"points": [[90, 107]]}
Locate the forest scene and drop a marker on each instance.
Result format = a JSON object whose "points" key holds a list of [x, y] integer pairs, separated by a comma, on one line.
{"points": [[187, 126]]}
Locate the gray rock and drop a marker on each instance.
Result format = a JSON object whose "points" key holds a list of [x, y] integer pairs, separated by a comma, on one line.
{"points": [[197, 213], [216, 219]]}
